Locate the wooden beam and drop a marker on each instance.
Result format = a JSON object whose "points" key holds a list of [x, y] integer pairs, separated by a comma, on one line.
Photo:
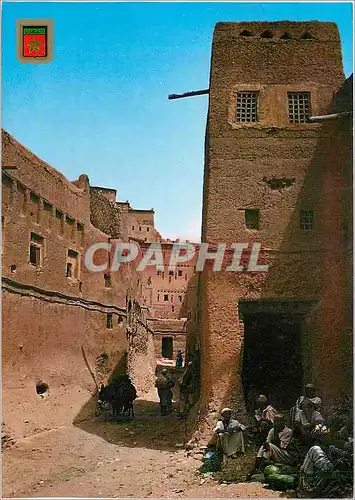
{"points": [[321, 118], [189, 94], [9, 167]]}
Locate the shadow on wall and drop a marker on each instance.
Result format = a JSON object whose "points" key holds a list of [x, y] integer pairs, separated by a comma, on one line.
{"points": [[89, 409]]}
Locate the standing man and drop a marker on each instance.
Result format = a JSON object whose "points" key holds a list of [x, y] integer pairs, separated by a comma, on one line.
{"points": [[164, 385], [179, 359], [186, 387]]}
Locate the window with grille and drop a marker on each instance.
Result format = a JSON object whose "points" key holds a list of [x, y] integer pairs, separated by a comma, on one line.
{"points": [[306, 220], [247, 107], [299, 107], [252, 218]]}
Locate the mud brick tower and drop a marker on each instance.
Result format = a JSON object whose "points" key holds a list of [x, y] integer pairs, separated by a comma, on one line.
{"points": [[270, 178]]}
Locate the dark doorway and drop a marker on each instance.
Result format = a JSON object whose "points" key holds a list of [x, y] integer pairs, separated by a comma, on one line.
{"points": [[272, 362], [167, 347]]}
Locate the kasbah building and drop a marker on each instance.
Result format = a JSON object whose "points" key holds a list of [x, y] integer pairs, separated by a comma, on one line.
{"points": [[271, 177], [64, 325]]}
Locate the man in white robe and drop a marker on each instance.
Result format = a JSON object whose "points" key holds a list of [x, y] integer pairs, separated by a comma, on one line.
{"points": [[308, 411], [277, 446], [230, 434]]}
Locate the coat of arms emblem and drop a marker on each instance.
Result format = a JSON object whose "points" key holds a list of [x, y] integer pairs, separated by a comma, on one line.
{"points": [[35, 40]]}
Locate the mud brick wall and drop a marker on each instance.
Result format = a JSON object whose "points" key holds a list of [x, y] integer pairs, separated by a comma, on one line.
{"points": [[105, 214], [48, 315], [140, 225], [179, 342], [141, 358], [42, 340]]}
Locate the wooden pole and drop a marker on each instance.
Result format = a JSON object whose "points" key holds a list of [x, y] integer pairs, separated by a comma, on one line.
{"points": [[189, 94]]}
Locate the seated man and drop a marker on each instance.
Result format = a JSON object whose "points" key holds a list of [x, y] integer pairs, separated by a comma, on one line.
{"points": [[307, 412], [322, 474], [264, 416], [230, 435], [279, 445]]}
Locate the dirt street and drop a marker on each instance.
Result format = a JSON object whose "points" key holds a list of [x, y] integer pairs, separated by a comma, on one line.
{"points": [[107, 459]]}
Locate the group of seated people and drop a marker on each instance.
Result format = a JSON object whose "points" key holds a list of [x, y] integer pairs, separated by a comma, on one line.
{"points": [[300, 443]]}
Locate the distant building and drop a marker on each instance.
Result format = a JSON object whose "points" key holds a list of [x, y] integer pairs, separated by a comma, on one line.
{"points": [[164, 291]]}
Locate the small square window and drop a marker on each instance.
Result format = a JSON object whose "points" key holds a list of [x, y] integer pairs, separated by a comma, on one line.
{"points": [[72, 267], [299, 106], [34, 198], [179, 273], [166, 298], [306, 220], [47, 207], [247, 107], [107, 278], [69, 272], [252, 218], [109, 322], [171, 273], [36, 248], [35, 255]]}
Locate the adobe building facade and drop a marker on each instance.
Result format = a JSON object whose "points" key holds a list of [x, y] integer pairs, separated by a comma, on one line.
{"points": [[61, 321], [163, 294], [164, 291], [169, 338], [273, 178]]}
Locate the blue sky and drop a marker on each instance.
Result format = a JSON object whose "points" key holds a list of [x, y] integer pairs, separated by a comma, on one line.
{"points": [[101, 106]]}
